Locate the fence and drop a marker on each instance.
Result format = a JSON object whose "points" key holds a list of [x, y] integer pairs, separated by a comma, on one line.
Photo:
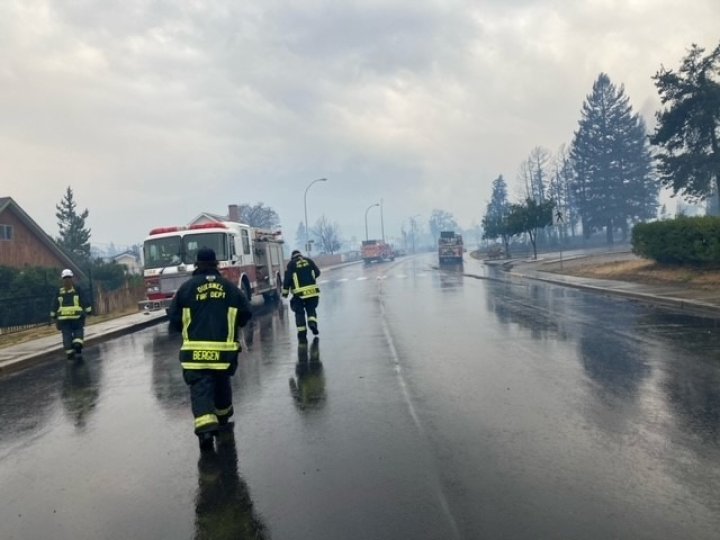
{"points": [[25, 312], [119, 300], [21, 313]]}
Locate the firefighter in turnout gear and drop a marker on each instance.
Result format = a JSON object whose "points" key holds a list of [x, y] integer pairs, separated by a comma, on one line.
{"points": [[208, 310], [69, 310], [300, 279]]}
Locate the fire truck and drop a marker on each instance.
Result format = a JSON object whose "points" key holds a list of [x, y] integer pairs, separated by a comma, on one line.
{"points": [[249, 257], [376, 250], [450, 247]]}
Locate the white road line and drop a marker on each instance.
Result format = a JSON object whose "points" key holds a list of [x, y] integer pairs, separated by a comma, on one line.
{"points": [[411, 408], [362, 278]]}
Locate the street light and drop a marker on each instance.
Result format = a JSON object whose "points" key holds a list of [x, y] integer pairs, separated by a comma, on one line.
{"points": [[366, 213], [307, 234]]}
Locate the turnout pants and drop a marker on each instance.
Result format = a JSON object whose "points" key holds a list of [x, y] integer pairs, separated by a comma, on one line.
{"points": [[73, 332], [300, 307], [210, 397]]}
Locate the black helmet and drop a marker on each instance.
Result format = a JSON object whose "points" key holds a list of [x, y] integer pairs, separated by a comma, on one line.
{"points": [[295, 254], [206, 255]]}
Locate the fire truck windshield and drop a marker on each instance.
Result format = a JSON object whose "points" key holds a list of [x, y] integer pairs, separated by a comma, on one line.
{"points": [[161, 252], [214, 240]]}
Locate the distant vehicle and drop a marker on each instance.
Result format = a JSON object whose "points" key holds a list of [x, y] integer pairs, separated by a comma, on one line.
{"points": [[376, 251], [450, 247], [400, 253], [249, 257]]}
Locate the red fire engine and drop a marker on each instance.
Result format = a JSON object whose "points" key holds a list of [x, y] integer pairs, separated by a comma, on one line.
{"points": [[376, 250], [252, 258]]}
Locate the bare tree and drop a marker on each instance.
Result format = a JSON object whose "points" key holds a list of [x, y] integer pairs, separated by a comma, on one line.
{"points": [[258, 215], [327, 234]]}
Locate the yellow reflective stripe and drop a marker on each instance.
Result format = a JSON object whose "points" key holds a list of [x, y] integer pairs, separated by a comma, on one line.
{"points": [[186, 318], [221, 346], [296, 281], [205, 420], [223, 412], [306, 288], [52, 314], [70, 310], [231, 318], [302, 328], [204, 365], [312, 319], [78, 340]]}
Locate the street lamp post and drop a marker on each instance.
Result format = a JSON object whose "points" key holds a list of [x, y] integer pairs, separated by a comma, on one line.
{"points": [[307, 233], [366, 213]]}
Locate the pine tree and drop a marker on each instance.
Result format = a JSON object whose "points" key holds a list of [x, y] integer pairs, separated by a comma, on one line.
{"points": [[74, 236], [688, 129], [494, 222], [614, 185]]}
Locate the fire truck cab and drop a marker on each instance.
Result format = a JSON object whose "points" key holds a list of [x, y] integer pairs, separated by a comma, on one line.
{"points": [[249, 257]]}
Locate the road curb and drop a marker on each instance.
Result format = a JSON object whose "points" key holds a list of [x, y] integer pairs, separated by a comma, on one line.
{"points": [[690, 306]]}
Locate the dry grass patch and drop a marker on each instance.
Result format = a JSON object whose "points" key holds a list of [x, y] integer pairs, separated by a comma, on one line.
{"points": [[642, 271]]}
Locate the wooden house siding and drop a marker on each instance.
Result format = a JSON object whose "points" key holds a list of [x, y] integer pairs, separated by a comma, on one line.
{"points": [[24, 249]]}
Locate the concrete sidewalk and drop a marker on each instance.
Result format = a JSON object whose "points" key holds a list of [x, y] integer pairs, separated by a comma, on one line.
{"points": [[23, 355], [548, 269]]}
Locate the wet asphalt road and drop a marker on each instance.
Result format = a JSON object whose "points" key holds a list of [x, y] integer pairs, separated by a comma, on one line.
{"points": [[436, 406]]}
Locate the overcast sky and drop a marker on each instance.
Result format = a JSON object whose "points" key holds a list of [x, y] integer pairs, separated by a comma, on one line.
{"points": [[154, 111]]}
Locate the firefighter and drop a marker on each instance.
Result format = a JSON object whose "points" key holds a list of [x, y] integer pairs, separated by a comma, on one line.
{"points": [[68, 312], [300, 279], [208, 310]]}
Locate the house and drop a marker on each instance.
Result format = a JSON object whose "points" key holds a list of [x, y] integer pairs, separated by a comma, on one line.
{"points": [[206, 217], [24, 243], [130, 261]]}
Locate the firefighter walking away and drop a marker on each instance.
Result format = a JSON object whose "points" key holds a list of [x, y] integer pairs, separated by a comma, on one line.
{"points": [[208, 309], [300, 280], [68, 311]]}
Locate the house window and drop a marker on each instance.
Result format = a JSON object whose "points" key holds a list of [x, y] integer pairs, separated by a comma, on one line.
{"points": [[6, 232]]}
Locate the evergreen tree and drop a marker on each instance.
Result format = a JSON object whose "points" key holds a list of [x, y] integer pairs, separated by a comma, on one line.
{"points": [[614, 184], [300, 237], [74, 236], [494, 222], [688, 128]]}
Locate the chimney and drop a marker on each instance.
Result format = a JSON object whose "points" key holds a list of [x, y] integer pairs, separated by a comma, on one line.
{"points": [[233, 213]]}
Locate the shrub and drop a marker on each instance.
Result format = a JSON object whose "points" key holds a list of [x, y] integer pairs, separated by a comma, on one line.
{"points": [[684, 240]]}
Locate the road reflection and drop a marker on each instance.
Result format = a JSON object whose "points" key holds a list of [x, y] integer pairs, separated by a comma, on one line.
{"points": [[308, 386], [532, 306], [27, 401], [81, 390], [223, 506]]}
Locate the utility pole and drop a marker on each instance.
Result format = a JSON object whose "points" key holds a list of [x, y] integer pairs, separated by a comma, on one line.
{"points": [[382, 222]]}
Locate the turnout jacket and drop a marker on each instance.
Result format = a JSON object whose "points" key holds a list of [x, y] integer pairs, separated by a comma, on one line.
{"points": [[208, 310], [300, 277], [70, 305]]}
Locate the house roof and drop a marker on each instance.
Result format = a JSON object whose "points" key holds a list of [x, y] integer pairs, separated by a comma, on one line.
{"points": [[8, 203], [210, 216], [125, 254]]}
